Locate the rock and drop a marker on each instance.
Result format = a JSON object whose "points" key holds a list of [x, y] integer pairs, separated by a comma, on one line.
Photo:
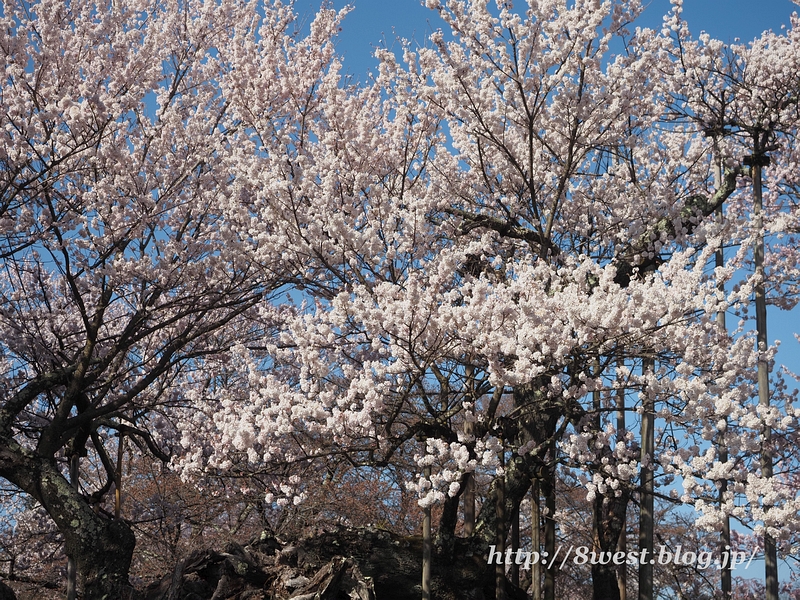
{"points": [[207, 574], [336, 564]]}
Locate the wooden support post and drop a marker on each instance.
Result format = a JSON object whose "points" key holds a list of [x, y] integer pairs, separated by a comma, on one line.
{"points": [[536, 540], [72, 568], [549, 489], [756, 162], [427, 546], [500, 532], [515, 546], [118, 477], [646, 489], [726, 582], [622, 543]]}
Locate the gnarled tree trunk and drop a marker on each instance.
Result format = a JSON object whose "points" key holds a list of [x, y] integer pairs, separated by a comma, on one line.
{"points": [[102, 547]]}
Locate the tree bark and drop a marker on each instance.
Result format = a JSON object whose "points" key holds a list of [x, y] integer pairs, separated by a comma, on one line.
{"points": [[538, 422], [500, 532], [469, 505], [609, 522], [102, 547], [445, 538]]}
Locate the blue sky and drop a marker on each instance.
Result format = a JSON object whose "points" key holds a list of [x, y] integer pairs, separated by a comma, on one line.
{"points": [[373, 23]]}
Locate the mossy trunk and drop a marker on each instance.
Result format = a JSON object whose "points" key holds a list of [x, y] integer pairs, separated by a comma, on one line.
{"points": [[102, 547]]}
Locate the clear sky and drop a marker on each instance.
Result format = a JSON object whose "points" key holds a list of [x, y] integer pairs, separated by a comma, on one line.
{"points": [[376, 22]]}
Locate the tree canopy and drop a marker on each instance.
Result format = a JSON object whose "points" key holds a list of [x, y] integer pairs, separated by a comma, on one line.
{"points": [[500, 259]]}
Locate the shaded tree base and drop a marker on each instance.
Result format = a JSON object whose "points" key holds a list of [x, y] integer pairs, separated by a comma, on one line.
{"points": [[6, 593], [346, 564]]}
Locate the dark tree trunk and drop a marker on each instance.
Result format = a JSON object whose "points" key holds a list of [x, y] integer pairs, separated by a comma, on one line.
{"points": [[102, 547], [446, 532], [609, 520], [72, 568], [537, 422], [500, 533], [517, 483]]}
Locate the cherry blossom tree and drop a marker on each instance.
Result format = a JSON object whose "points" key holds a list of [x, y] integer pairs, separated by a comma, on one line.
{"points": [[129, 251], [494, 261], [745, 98], [499, 233]]}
